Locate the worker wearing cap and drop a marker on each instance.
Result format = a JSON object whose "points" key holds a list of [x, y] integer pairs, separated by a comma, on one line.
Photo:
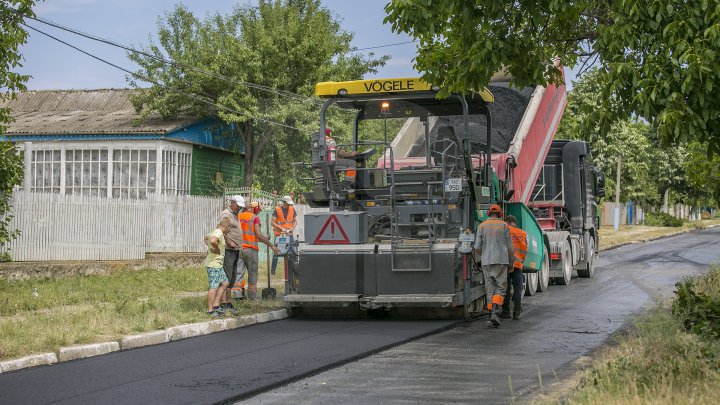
{"points": [[233, 249], [515, 274], [250, 225], [350, 165], [494, 248], [284, 222]]}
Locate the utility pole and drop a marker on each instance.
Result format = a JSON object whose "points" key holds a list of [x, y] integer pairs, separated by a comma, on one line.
{"points": [[616, 222]]}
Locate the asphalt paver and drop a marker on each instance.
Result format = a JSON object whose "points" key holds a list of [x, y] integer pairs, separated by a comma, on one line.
{"points": [[212, 368]]}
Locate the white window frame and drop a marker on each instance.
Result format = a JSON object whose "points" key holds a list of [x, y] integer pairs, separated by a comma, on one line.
{"points": [[172, 163]]}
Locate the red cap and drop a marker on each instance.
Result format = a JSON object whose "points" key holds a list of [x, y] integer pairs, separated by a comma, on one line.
{"points": [[495, 208]]}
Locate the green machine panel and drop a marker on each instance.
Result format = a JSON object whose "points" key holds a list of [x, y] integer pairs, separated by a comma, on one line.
{"points": [[527, 222]]}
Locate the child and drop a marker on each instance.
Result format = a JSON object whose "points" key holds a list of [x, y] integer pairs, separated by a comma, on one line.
{"points": [[217, 280]]}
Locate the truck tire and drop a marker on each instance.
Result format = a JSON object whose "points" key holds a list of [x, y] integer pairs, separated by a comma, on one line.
{"points": [[531, 284], [544, 272], [567, 266], [589, 270]]}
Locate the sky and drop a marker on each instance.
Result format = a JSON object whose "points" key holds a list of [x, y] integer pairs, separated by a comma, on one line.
{"points": [[53, 65]]}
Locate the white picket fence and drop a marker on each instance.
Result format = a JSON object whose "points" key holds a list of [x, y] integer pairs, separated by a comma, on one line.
{"points": [[69, 227]]}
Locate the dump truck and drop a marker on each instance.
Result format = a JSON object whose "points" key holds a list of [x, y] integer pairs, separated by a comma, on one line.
{"points": [[399, 237]]}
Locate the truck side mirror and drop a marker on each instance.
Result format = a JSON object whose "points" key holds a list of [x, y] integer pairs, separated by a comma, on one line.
{"points": [[599, 184]]}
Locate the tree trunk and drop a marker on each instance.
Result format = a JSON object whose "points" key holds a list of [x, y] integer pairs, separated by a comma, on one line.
{"points": [[248, 175], [666, 197], [253, 150]]}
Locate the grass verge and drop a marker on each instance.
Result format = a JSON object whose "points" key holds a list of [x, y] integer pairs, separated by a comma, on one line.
{"points": [[638, 233], [97, 308], [660, 360]]}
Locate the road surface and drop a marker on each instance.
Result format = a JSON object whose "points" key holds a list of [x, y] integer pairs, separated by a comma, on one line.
{"points": [[474, 364], [468, 363]]}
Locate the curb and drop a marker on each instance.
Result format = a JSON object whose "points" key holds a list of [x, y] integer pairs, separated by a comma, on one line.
{"points": [[81, 351], [656, 238], [140, 340], [28, 361]]}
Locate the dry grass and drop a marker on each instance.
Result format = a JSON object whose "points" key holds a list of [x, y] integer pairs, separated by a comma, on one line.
{"points": [[637, 233], [88, 309]]}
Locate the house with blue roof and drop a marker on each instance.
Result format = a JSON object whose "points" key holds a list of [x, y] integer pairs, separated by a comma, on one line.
{"points": [[93, 143]]}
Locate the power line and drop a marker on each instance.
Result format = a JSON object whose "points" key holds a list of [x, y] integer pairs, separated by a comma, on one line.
{"points": [[175, 64], [136, 75], [384, 46], [198, 70]]}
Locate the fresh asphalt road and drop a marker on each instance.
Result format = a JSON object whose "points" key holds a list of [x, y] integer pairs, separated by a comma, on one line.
{"points": [[209, 369], [474, 364], [467, 364]]}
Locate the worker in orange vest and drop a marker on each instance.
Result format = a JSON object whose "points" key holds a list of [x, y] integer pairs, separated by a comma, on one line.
{"points": [[250, 224], [284, 223], [515, 274], [494, 249], [346, 160]]}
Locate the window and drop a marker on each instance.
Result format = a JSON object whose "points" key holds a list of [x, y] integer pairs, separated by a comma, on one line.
{"points": [[108, 172], [134, 173], [86, 172], [176, 172], [45, 170]]}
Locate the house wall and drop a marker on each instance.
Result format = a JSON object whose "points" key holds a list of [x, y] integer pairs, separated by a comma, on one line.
{"points": [[207, 163]]}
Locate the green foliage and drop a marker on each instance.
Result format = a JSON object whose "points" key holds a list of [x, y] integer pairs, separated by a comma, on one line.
{"points": [[658, 58], [703, 173], [699, 312], [662, 219], [12, 36], [286, 45], [11, 174], [633, 139], [649, 167]]}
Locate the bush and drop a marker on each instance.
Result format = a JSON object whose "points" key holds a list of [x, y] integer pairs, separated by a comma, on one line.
{"points": [[662, 219], [698, 304]]}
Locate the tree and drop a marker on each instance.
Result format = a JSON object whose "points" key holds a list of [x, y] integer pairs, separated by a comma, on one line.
{"points": [[658, 58], [703, 174], [12, 36], [283, 45], [630, 137], [683, 171]]}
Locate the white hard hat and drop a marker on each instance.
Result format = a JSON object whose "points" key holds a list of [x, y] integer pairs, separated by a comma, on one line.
{"points": [[287, 199], [240, 200]]}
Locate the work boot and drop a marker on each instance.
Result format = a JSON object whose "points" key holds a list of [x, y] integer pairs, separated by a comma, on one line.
{"points": [[505, 311], [494, 320], [252, 296], [517, 311]]}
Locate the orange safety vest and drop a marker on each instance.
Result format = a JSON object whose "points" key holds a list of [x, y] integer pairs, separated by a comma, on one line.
{"points": [[285, 223], [519, 239], [247, 223]]}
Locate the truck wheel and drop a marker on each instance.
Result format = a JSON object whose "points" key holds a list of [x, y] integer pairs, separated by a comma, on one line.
{"points": [[590, 269], [531, 284], [567, 266], [544, 272]]}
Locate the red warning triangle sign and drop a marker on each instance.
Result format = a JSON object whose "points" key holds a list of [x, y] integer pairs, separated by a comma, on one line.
{"points": [[332, 233]]}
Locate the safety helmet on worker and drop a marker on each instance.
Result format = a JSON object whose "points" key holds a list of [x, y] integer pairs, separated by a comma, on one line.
{"points": [[238, 199], [495, 209]]}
